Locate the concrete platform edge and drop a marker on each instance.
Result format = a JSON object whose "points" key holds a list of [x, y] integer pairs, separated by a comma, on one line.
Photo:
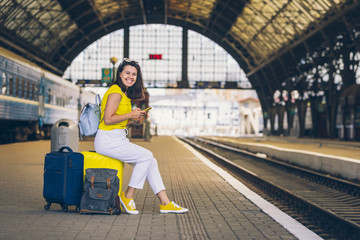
{"points": [[348, 168], [293, 226]]}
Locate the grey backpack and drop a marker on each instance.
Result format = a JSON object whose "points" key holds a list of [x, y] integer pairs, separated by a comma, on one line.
{"points": [[101, 192], [90, 118]]}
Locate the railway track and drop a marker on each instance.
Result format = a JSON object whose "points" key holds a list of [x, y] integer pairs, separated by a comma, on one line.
{"points": [[325, 204]]}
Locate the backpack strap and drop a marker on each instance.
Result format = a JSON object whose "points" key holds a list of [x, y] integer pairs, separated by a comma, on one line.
{"points": [[97, 99], [108, 181], [92, 180], [98, 102]]}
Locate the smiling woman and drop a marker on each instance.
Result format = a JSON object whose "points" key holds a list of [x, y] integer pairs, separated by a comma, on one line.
{"points": [[111, 140]]}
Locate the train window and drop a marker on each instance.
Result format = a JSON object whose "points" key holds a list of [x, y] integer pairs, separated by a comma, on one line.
{"points": [[16, 86], [35, 92], [48, 96], [23, 88], [27, 89], [32, 85], [60, 101], [53, 99], [11, 85], [4, 82], [67, 101], [32, 91], [2, 74]]}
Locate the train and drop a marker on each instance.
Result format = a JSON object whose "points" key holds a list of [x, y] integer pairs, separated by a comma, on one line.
{"points": [[33, 99]]}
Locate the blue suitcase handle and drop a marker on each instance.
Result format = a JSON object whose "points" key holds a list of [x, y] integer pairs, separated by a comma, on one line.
{"points": [[65, 147]]}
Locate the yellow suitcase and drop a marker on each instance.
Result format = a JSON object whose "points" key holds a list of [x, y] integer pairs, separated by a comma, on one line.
{"points": [[96, 160]]}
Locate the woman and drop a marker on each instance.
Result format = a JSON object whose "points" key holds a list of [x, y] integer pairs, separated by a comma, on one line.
{"points": [[111, 137]]}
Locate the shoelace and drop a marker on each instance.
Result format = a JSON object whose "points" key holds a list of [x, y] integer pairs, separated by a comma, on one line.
{"points": [[132, 204], [175, 205]]}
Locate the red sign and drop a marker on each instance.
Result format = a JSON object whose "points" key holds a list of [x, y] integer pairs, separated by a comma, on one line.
{"points": [[155, 56]]}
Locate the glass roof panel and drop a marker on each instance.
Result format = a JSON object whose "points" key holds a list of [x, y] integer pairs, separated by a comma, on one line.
{"points": [[202, 8], [107, 8], [37, 22], [266, 26], [262, 26], [180, 5]]}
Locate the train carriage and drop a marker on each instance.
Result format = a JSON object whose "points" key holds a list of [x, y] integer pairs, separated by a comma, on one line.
{"points": [[32, 99]]}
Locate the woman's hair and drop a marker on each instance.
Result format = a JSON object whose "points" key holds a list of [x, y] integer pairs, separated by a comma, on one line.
{"points": [[136, 91]]}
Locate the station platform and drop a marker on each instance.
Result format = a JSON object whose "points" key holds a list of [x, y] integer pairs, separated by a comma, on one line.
{"points": [[334, 157], [220, 207]]}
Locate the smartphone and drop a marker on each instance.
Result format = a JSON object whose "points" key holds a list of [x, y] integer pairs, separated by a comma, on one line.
{"points": [[147, 109]]}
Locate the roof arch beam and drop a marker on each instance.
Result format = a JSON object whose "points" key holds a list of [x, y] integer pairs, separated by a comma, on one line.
{"points": [[98, 32]]}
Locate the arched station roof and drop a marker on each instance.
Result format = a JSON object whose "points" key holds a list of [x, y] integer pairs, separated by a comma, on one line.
{"points": [[55, 32], [257, 33]]}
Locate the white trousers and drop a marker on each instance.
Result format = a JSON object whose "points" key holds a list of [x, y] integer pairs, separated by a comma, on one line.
{"points": [[115, 144]]}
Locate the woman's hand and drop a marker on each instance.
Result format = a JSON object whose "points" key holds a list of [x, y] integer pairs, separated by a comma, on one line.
{"points": [[137, 113]]}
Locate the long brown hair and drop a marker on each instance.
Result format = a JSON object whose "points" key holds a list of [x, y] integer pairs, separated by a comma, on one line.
{"points": [[136, 91]]}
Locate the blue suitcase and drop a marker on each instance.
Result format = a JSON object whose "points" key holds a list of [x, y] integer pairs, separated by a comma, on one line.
{"points": [[63, 178]]}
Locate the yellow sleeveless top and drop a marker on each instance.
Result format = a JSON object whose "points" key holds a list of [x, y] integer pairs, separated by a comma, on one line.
{"points": [[123, 108]]}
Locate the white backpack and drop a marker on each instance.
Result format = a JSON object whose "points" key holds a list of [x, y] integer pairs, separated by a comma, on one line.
{"points": [[90, 118]]}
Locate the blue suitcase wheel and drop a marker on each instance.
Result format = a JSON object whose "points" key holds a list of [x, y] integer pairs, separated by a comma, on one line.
{"points": [[47, 206], [64, 207]]}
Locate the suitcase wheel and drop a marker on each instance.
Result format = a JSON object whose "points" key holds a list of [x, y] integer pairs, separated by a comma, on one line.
{"points": [[64, 207], [47, 206]]}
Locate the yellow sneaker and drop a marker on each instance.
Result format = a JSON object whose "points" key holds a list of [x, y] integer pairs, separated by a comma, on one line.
{"points": [[128, 204], [172, 208]]}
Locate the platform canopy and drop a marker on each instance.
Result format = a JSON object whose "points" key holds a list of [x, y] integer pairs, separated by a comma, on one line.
{"points": [[54, 32]]}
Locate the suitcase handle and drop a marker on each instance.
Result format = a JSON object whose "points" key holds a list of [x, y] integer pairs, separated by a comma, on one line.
{"points": [[65, 147]]}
